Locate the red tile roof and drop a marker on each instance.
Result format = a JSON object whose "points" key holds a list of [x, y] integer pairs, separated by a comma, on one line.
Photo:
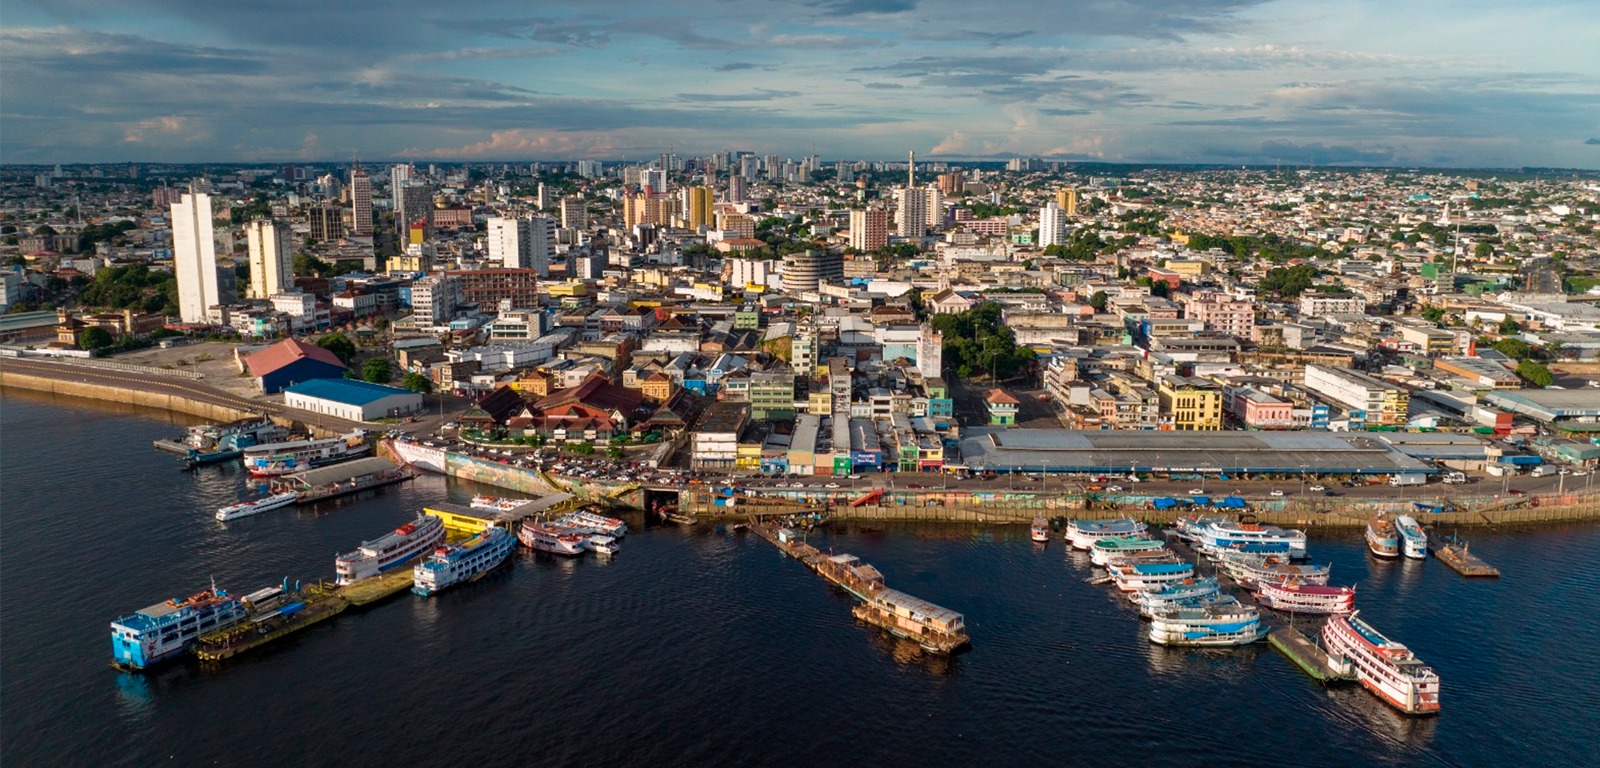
{"points": [[285, 352]]}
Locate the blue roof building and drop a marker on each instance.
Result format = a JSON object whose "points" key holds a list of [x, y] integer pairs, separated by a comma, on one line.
{"points": [[351, 399]]}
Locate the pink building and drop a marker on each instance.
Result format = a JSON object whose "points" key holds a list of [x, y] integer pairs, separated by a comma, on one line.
{"points": [[1259, 410], [1224, 314]]}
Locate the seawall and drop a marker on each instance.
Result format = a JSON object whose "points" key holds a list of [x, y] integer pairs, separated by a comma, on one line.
{"points": [[137, 397]]}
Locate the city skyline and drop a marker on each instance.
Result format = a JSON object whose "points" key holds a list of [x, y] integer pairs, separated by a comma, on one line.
{"points": [[1147, 81]]}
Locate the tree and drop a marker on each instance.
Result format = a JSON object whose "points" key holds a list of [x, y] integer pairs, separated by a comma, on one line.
{"points": [[1535, 373], [1433, 314], [310, 266], [1515, 349], [340, 345], [613, 452], [1289, 282], [376, 370], [1509, 326], [94, 338], [1483, 251], [416, 382], [1099, 300]]}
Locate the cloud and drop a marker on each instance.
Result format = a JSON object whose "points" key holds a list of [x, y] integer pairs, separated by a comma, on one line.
{"points": [[1058, 112], [856, 7], [1593, 142], [758, 94], [735, 66]]}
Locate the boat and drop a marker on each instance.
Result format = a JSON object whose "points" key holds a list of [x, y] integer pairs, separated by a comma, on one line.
{"points": [[1252, 573], [1383, 666], [1294, 596], [934, 628], [1082, 534], [1220, 534], [460, 563], [594, 523], [1040, 531], [1191, 527], [556, 540], [497, 504], [274, 612], [1175, 593], [257, 506], [1260, 548], [1412, 540], [389, 551], [1222, 622], [1102, 550], [213, 443], [601, 544], [274, 459], [162, 631], [1382, 538], [1132, 578]]}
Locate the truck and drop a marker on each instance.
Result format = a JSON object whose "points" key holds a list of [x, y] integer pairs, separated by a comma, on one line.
{"points": [[1539, 471], [1399, 480], [1455, 478], [1498, 470]]}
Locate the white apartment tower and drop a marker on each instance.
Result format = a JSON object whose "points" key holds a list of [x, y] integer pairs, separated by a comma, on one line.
{"points": [[1052, 225], [271, 257], [525, 243], [194, 256]]}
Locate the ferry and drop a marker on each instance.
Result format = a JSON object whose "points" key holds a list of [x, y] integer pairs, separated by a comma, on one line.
{"points": [[1132, 578], [256, 506], [1412, 540], [1175, 593], [1192, 527], [276, 459], [1251, 574], [1222, 622], [556, 540], [390, 550], [1040, 532], [1082, 534], [468, 561], [1382, 538], [601, 544], [1257, 548], [1221, 534], [212, 443], [497, 504], [595, 523], [1142, 558], [1292, 596], [1103, 550], [1383, 666], [164, 630]]}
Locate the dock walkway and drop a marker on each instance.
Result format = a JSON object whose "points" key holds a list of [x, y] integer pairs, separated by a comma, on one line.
{"points": [[1453, 552], [375, 588], [1306, 655]]}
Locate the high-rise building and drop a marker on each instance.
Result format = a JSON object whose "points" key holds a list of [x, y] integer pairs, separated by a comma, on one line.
{"points": [[749, 167], [654, 179], [1052, 225], [414, 203], [194, 256], [327, 222], [952, 183], [805, 270], [434, 298], [911, 215], [697, 207], [574, 212], [546, 197], [398, 176], [869, 228], [360, 202], [738, 190], [525, 243], [1067, 200], [271, 253], [935, 207]]}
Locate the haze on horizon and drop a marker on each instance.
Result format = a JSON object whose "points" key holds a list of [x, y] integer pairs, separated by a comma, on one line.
{"points": [[1416, 82]]}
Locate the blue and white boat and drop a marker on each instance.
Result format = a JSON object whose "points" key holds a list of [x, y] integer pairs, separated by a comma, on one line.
{"points": [[167, 629], [392, 550], [1219, 623], [1082, 534], [1175, 593], [460, 563], [1135, 577], [1412, 540], [1222, 534]]}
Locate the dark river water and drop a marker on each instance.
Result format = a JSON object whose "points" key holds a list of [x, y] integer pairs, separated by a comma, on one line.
{"points": [[695, 647]]}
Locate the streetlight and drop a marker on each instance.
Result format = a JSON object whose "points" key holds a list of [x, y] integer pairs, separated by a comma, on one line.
{"points": [[1302, 481]]}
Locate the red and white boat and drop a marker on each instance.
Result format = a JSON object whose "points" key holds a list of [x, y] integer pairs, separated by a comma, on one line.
{"points": [[1040, 532], [1292, 596], [552, 539], [1383, 666]]}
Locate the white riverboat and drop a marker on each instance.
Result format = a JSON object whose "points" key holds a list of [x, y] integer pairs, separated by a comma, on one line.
{"points": [[1412, 540], [1082, 534], [1388, 669], [256, 506], [389, 551], [554, 539]]}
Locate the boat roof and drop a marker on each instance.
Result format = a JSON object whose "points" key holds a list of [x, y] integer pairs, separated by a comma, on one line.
{"points": [[1155, 568], [345, 470], [894, 597]]}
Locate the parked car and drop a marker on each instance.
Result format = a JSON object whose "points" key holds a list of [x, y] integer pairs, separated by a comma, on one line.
{"points": [[1318, 489], [1276, 493], [1114, 488], [1197, 491]]}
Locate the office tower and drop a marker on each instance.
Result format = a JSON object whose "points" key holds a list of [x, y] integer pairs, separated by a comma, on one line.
{"points": [[360, 202], [589, 169], [398, 176], [911, 215], [697, 207], [413, 203], [194, 256], [654, 179], [574, 213], [805, 270], [1067, 200], [772, 165], [271, 257], [1052, 225], [327, 222], [525, 243], [869, 229], [738, 190], [935, 205]]}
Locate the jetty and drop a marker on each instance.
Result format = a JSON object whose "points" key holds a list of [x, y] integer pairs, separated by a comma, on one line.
{"points": [[341, 479], [375, 588], [1306, 655], [935, 628], [1454, 552], [310, 606]]}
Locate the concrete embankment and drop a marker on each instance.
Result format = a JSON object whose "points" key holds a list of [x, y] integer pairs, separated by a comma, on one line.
{"points": [[129, 396]]}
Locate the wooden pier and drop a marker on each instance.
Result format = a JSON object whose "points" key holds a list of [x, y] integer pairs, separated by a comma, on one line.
{"points": [[1306, 655], [1454, 553]]}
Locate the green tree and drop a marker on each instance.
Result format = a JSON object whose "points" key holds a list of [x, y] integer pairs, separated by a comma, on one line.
{"points": [[310, 266], [1509, 325], [94, 338], [1433, 314], [1483, 251], [1515, 349], [376, 370], [1289, 282], [1536, 373], [340, 345], [1099, 300], [613, 452], [416, 382]]}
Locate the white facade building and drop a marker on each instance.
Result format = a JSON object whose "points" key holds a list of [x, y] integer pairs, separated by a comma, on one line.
{"points": [[194, 256], [1052, 225], [525, 243], [271, 257]]}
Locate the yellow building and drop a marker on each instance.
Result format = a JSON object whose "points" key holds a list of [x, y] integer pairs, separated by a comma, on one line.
{"points": [[1190, 269], [698, 207], [1067, 200], [1190, 404], [820, 403], [571, 288], [657, 388]]}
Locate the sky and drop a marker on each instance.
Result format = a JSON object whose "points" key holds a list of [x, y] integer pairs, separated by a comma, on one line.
{"points": [[1474, 83]]}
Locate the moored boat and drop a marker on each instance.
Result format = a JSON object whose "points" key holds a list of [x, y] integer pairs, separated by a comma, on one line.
{"points": [[1252, 573], [1221, 534], [1222, 622], [1175, 593], [1383, 666], [496, 503], [935, 628], [1292, 596], [274, 459], [256, 506], [1413, 541], [392, 550], [609, 526], [458, 563], [1132, 578], [165, 630], [1191, 527], [601, 544], [1103, 550], [1040, 531], [554, 539], [1082, 534], [1382, 538]]}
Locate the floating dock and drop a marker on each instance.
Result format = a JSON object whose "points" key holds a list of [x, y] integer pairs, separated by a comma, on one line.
{"points": [[310, 606], [1454, 553], [1306, 655], [375, 588], [342, 479]]}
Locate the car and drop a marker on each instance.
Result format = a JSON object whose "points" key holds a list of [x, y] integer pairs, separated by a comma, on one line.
{"points": [[1517, 492], [1276, 493], [1094, 487], [1330, 493], [1317, 489], [1197, 491], [831, 486], [1114, 488], [1579, 472]]}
